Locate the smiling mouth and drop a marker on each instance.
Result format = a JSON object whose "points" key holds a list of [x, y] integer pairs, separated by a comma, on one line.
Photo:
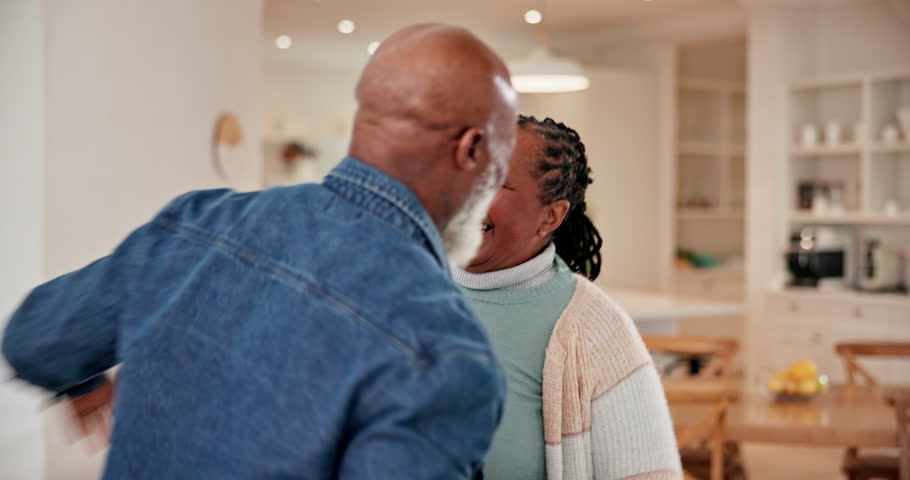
{"points": [[486, 227]]}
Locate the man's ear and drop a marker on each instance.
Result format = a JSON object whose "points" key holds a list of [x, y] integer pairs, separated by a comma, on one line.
{"points": [[467, 153], [555, 214]]}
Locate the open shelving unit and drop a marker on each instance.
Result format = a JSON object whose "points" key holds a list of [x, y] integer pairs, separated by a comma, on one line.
{"points": [[875, 175], [710, 151], [873, 172]]}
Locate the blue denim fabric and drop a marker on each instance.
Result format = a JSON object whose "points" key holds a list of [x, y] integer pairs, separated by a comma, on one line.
{"points": [[310, 331]]}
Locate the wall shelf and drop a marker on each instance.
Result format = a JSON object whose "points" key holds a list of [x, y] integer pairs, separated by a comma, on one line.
{"points": [[710, 148], [824, 150], [711, 85], [700, 148], [874, 175], [709, 215], [890, 148], [850, 218]]}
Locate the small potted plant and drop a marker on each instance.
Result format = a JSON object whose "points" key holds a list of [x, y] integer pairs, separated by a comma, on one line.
{"points": [[294, 152]]}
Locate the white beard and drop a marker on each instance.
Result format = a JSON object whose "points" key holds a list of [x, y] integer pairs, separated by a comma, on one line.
{"points": [[463, 235]]}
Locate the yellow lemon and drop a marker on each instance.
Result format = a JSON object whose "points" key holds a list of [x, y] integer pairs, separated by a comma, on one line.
{"points": [[776, 384], [803, 370], [808, 387]]}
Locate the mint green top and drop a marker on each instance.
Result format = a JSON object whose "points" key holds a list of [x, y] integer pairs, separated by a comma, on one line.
{"points": [[519, 323]]}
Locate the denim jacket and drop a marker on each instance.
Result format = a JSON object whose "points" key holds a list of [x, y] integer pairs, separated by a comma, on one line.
{"points": [[310, 331]]}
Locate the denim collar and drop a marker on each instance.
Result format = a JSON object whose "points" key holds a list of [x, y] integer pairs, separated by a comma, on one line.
{"points": [[388, 199]]}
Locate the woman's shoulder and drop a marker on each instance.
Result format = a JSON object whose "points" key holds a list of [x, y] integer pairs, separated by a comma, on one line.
{"points": [[595, 322], [592, 308]]}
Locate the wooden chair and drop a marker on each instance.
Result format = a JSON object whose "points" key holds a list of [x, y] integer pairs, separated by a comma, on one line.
{"points": [[878, 465], [901, 404], [710, 428], [697, 458], [720, 352]]}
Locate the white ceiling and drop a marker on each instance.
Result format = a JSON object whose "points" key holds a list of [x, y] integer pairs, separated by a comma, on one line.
{"points": [[312, 23]]}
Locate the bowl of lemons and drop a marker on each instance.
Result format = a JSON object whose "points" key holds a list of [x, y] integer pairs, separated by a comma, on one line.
{"points": [[801, 381]]}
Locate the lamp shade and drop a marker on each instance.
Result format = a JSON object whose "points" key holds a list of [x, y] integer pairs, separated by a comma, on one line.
{"points": [[542, 72]]}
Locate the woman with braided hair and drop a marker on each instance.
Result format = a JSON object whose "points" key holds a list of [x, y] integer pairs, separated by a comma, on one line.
{"points": [[585, 400]]}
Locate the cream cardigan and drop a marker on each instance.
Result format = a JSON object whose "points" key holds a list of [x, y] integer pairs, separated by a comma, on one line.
{"points": [[604, 410]]}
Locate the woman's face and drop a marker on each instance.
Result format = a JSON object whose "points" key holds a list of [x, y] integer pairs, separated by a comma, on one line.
{"points": [[518, 225]]}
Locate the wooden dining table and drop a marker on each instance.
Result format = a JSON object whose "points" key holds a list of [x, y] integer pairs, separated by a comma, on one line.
{"points": [[856, 416]]}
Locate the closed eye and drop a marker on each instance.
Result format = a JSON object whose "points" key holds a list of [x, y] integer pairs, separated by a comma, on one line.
{"points": [[508, 187]]}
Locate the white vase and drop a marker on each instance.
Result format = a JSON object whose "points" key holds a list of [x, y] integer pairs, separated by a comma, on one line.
{"points": [[903, 116], [832, 133]]}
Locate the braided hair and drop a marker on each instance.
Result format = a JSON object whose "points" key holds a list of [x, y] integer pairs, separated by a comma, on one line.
{"points": [[563, 174]]}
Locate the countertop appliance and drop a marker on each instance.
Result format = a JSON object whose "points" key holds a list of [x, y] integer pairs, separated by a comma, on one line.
{"points": [[882, 267], [819, 257]]}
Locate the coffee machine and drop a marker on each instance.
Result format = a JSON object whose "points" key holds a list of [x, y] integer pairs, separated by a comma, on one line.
{"points": [[820, 257]]}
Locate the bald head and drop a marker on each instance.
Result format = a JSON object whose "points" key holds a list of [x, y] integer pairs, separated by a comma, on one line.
{"points": [[435, 109], [433, 75]]}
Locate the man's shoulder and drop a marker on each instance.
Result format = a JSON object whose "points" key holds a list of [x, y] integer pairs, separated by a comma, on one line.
{"points": [[222, 208]]}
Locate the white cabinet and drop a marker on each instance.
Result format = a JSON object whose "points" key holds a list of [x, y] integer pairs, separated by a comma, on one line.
{"points": [[809, 325]]}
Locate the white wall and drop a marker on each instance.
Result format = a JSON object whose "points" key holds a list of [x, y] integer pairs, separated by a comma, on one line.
{"points": [[722, 60], [21, 201], [616, 119], [861, 35], [133, 91], [315, 106], [780, 48], [110, 115], [658, 58]]}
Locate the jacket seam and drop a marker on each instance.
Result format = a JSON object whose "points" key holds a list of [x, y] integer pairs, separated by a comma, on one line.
{"points": [[282, 272]]}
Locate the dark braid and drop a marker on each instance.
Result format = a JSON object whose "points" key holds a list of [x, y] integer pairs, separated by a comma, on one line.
{"points": [[564, 174]]}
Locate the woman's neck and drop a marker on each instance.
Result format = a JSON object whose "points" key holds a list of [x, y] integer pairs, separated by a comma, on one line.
{"points": [[534, 272]]}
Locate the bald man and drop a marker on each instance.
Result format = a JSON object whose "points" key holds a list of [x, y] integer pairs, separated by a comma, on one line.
{"points": [[311, 331]]}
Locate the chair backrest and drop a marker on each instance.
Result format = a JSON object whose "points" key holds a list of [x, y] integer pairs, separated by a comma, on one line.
{"points": [[849, 351], [900, 400], [720, 351], [711, 426]]}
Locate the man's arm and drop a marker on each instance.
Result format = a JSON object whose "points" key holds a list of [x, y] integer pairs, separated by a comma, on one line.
{"points": [[436, 423], [64, 335]]}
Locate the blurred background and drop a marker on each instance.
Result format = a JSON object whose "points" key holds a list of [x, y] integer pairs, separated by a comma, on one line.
{"points": [[751, 161]]}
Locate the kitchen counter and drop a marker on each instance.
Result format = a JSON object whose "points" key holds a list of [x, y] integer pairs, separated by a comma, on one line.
{"points": [[646, 306], [847, 296]]}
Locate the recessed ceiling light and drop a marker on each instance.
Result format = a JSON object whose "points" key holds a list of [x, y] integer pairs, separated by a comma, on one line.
{"points": [[533, 16], [346, 26], [283, 42], [372, 47]]}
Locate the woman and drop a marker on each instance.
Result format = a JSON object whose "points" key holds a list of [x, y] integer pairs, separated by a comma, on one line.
{"points": [[585, 400]]}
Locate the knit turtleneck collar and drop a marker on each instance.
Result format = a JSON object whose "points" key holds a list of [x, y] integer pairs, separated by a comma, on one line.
{"points": [[532, 273]]}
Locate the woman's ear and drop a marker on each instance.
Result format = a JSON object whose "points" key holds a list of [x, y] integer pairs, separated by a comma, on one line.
{"points": [[555, 214]]}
